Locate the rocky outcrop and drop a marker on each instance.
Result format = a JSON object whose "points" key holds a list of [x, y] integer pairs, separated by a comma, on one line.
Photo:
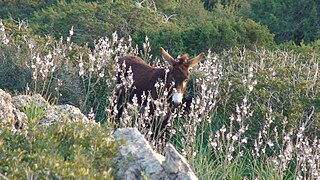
{"points": [[177, 166], [11, 111], [137, 160], [22, 101], [53, 113], [11, 116], [61, 112]]}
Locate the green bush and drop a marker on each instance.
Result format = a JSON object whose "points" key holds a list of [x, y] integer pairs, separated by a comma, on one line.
{"points": [[40, 65], [14, 75], [92, 20], [63, 150], [288, 19], [216, 34], [284, 81], [180, 27], [22, 9]]}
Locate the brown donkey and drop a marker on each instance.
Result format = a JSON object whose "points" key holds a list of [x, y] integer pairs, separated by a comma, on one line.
{"points": [[145, 77]]}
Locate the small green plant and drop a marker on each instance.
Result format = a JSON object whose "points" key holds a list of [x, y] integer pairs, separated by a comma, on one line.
{"points": [[34, 113]]}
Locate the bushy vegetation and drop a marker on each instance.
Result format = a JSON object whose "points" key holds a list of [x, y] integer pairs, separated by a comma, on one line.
{"points": [[65, 149], [178, 26], [288, 19], [252, 106]]}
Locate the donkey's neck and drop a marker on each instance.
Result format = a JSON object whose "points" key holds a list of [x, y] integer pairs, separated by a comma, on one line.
{"points": [[159, 74]]}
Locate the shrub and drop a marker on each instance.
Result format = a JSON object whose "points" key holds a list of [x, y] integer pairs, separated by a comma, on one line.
{"points": [[288, 20], [216, 34], [285, 81], [44, 64], [22, 9], [63, 150], [92, 20]]}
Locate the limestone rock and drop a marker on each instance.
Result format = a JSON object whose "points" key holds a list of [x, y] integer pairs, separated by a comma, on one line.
{"points": [[22, 101], [61, 112], [176, 165], [53, 113], [136, 156], [6, 107], [10, 115], [11, 107], [137, 159]]}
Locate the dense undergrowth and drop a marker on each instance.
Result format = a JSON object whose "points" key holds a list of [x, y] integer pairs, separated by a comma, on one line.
{"points": [[65, 149], [250, 113]]}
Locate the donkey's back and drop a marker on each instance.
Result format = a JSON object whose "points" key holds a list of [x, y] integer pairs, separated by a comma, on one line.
{"points": [[135, 63]]}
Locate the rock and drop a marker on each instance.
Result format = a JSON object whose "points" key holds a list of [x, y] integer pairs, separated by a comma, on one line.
{"points": [[6, 107], [62, 112], [136, 156], [176, 165], [10, 115], [21, 120], [22, 101], [11, 107], [137, 160], [53, 113]]}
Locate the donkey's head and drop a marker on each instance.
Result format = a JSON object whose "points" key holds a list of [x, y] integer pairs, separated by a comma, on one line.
{"points": [[179, 73]]}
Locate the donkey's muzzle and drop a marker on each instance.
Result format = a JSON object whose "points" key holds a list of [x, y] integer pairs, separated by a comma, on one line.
{"points": [[177, 98]]}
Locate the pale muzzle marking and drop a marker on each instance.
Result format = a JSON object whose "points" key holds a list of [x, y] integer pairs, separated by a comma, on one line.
{"points": [[177, 98]]}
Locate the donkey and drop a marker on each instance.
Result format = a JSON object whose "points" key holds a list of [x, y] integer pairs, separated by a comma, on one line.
{"points": [[145, 77]]}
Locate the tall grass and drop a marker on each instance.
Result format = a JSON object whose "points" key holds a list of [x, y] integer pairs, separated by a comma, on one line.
{"points": [[250, 114]]}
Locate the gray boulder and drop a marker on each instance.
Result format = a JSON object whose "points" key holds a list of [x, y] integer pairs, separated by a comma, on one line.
{"points": [[21, 101], [10, 115], [11, 111], [53, 113], [137, 160], [62, 112]]}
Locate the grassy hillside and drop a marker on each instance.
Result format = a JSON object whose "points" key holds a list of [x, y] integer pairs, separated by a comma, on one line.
{"points": [[252, 106]]}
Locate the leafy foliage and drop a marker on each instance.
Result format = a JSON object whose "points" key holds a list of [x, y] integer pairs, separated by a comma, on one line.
{"points": [[22, 9], [63, 150], [289, 20], [216, 34], [93, 20]]}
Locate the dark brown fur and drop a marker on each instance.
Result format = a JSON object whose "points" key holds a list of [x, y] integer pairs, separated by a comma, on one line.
{"points": [[144, 76]]}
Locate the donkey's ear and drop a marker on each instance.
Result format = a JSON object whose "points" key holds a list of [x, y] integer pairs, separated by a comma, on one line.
{"points": [[194, 61], [167, 56], [184, 58]]}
